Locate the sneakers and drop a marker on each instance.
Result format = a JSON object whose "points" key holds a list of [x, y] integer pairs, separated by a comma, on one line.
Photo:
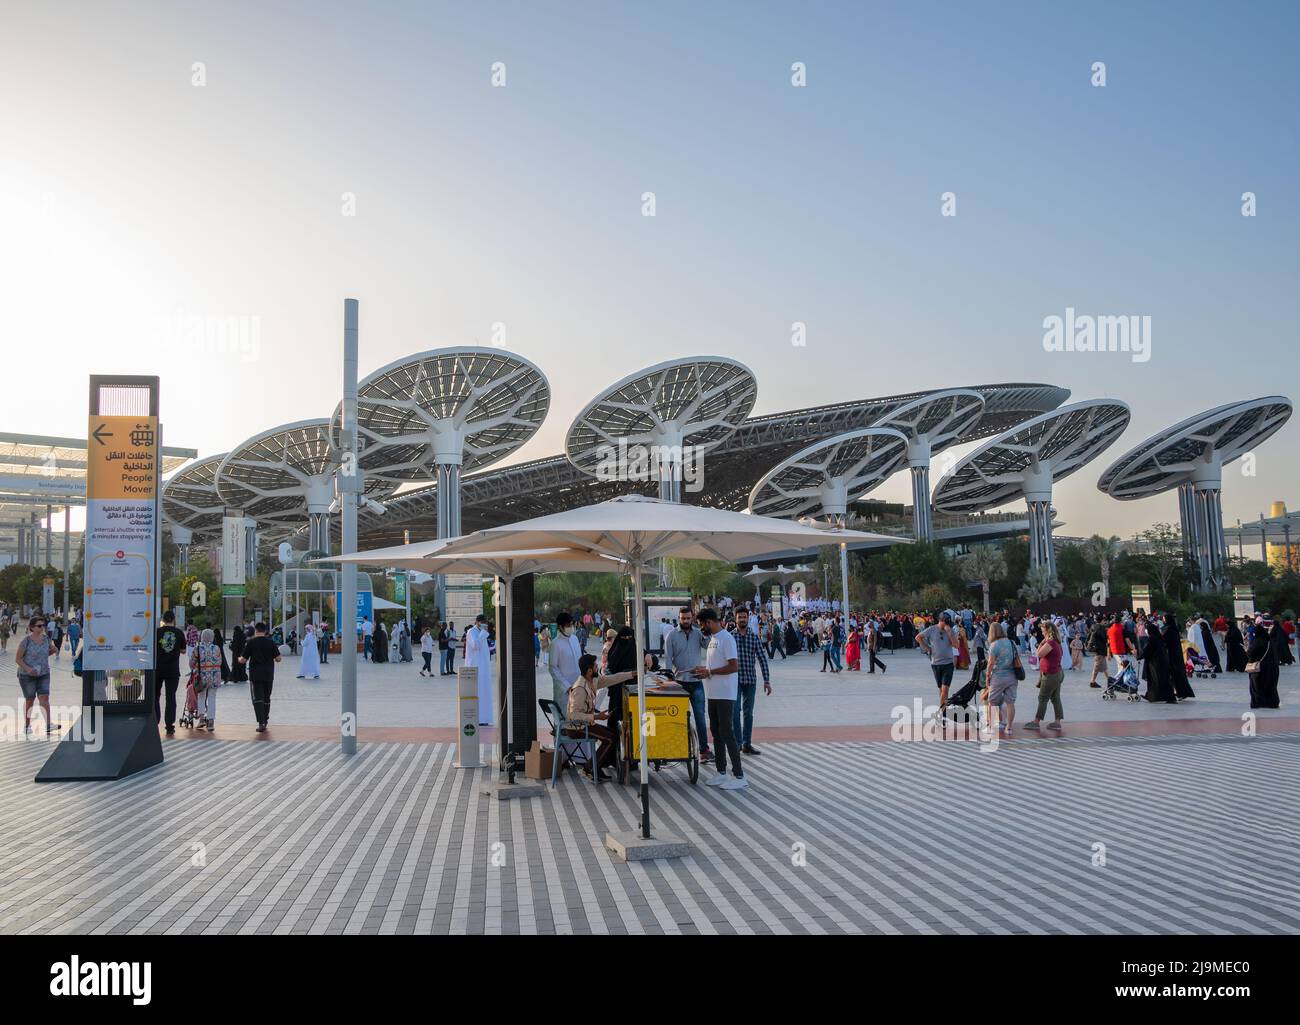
{"points": [[1054, 726], [1032, 724], [739, 783], [717, 781], [261, 727]]}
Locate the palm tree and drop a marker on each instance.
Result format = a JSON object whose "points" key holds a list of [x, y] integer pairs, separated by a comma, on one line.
{"points": [[984, 564], [1040, 584], [1105, 550]]}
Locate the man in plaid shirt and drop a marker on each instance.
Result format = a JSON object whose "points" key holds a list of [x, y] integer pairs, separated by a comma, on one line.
{"points": [[749, 647]]}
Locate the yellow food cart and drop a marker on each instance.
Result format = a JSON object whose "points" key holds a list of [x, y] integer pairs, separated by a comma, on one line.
{"points": [[670, 732]]}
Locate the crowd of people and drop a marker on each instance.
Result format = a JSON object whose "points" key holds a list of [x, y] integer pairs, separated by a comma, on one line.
{"points": [[716, 654]]}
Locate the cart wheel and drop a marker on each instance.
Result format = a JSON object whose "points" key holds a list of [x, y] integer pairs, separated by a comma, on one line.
{"points": [[624, 763], [693, 769]]}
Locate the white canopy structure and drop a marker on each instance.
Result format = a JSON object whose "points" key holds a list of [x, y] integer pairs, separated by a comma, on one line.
{"points": [[634, 531], [931, 424], [1190, 456], [442, 413], [1027, 460]]}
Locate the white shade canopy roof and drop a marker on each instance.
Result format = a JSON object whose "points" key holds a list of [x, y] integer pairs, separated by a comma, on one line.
{"points": [[637, 529]]}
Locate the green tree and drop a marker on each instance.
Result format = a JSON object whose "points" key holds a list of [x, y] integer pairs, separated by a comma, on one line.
{"points": [[1103, 551], [1077, 574], [983, 565], [1163, 552], [1040, 585], [700, 576]]}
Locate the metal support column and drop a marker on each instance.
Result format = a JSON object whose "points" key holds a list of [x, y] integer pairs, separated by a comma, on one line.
{"points": [[349, 487]]}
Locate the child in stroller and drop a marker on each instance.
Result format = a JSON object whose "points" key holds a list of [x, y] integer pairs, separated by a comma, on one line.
{"points": [[1125, 682], [957, 709], [1198, 665]]}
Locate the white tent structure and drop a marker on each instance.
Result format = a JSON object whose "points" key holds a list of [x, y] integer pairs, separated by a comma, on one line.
{"points": [[635, 531], [508, 565]]}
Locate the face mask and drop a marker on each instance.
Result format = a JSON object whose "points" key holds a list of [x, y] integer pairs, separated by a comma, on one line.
{"points": [[568, 631]]}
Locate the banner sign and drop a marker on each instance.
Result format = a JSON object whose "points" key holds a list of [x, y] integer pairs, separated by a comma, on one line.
{"points": [[233, 556], [1243, 601], [47, 595], [122, 464], [399, 588], [37, 483], [464, 597], [365, 606]]}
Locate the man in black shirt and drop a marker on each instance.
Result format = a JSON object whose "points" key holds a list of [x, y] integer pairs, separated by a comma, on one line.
{"points": [[167, 669], [261, 655]]}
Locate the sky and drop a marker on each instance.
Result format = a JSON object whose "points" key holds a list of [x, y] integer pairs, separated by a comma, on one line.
{"points": [[255, 163]]}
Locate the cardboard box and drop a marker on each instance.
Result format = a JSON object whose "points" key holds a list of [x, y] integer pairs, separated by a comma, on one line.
{"points": [[538, 761]]}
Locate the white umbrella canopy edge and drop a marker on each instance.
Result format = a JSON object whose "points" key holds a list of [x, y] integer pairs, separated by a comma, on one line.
{"points": [[640, 530]]}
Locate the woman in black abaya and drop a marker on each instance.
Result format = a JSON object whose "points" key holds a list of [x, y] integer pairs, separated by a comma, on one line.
{"points": [[1235, 648], [1280, 645], [238, 673], [622, 659], [1208, 647], [379, 648], [1155, 664], [1263, 682], [1177, 663]]}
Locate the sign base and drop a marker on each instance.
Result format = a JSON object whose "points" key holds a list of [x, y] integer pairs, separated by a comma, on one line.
{"points": [[130, 744], [632, 846]]}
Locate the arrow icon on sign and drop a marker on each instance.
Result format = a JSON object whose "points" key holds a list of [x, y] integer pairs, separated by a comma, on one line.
{"points": [[100, 434]]}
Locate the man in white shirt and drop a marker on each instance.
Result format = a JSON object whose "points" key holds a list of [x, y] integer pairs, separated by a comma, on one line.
{"points": [[563, 666], [719, 674], [479, 655]]}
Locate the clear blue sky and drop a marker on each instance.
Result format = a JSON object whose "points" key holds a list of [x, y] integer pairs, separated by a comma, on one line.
{"points": [[132, 196]]}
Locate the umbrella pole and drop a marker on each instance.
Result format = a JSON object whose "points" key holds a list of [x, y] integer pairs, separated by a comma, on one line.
{"points": [[510, 680], [640, 699]]}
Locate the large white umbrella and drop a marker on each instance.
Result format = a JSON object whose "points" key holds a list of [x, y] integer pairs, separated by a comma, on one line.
{"points": [[637, 531], [508, 565]]}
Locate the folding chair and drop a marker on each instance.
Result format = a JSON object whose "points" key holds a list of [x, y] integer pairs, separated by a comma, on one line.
{"points": [[569, 750]]}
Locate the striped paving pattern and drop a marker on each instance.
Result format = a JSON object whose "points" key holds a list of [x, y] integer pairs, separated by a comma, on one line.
{"points": [[1199, 835]]}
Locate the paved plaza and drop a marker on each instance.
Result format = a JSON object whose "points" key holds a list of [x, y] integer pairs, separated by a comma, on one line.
{"points": [[1188, 829]]}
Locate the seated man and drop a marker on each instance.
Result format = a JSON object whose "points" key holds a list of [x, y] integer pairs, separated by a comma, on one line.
{"points": [[582, 709]]}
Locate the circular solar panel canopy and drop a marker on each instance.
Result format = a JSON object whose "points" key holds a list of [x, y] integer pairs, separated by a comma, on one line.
{"points": [[931, 423], [654, 421], [825, 477], [190, 500], [466, 407], [937, 420], [1195, 450], [1027, 460], [281, 476]]}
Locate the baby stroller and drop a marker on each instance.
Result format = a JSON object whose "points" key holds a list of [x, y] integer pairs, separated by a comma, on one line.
{"points": [[957, 709], [1199, 666], [191, 706], [1125, 683]]}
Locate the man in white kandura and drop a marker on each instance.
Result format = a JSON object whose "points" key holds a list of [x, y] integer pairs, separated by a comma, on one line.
{"points": [[479, 655]]}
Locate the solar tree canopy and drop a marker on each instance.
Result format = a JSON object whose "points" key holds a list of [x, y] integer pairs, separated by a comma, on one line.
{"points": [[280, 476], [937, 420], [1027, 460], [698, 401], [1195, 449], [190, 499], [827, 475], [467, 406]]}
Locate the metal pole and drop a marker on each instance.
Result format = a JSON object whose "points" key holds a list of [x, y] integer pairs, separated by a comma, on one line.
{"points": [[67, 559], [844, 581], [508, 650], [640, 699], [349, 485]]}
